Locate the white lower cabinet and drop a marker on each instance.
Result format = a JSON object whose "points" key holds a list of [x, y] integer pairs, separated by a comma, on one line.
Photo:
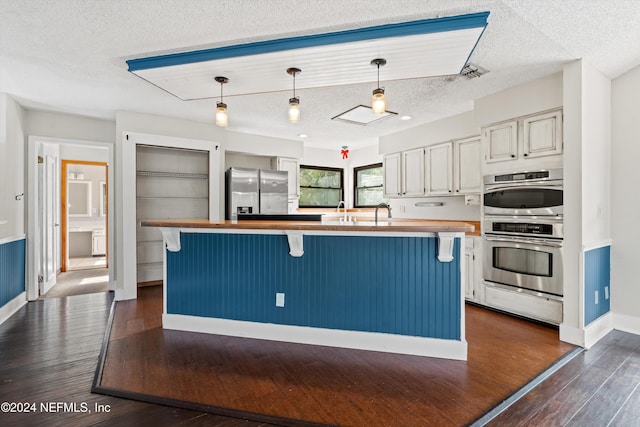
{"points": [[473, 268], [98, 243]]}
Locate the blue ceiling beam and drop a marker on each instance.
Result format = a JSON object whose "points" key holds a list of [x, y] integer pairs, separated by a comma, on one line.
{"points": [[425, 26]]}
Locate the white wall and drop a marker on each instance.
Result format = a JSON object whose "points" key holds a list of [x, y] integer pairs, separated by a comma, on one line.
{"points": [[12, 171], [625, 231], [368, 155], [454, 127], [529, 98], [57, 125], [587, 170]]}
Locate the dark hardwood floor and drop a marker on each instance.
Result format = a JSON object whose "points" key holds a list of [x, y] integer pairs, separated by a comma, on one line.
{"points": [[49, 351], [48, 354], [320, 384]]}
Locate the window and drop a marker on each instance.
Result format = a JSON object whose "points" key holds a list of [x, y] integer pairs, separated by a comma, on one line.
{"points": [[368, 186], [320, 187]]}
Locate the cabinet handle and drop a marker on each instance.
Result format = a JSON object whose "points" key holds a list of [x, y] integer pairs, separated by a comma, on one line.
{"points": [[525, 154], [513, 155], [457, 191]]}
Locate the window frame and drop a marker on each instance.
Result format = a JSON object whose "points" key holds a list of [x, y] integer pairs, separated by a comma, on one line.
{"points": [[324, 168], [355, 184]]}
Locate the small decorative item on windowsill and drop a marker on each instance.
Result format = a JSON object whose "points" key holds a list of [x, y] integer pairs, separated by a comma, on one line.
{"points": [[345, 152]]}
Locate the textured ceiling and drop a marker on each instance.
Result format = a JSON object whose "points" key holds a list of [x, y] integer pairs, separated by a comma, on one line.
{"points": [[69, 55]]}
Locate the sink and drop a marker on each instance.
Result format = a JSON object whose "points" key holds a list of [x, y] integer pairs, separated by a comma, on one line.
{"points": [[357, 223]]}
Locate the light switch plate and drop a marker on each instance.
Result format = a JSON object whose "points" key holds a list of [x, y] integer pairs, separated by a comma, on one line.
{"points": [[279, 299]]}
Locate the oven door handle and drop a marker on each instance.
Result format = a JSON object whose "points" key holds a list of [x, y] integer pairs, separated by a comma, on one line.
{"points": [[493, 188], [525, 241]]}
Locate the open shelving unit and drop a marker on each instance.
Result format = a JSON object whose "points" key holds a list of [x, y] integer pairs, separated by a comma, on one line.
{"points": [[171, 183]]}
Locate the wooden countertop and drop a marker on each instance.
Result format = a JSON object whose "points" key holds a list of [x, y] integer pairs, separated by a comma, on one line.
{"points": [[384, 225]]}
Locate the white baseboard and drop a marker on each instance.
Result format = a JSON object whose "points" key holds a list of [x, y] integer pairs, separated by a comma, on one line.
{"points": [[598, 329], [572, 335], [390, 343], [626, 323], [12, 306]]}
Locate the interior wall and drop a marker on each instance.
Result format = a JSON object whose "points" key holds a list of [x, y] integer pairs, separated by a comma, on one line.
{"points": [[12, 170], [625, 251], [529, 98], [240, 160], [454, 127]]}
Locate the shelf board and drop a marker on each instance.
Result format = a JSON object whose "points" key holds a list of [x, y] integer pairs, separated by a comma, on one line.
{"points": [[172, 174]]}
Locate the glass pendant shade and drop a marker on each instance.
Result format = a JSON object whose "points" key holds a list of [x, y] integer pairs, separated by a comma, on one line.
{"points": [[221, 114], [378, 104], [294, 110]]}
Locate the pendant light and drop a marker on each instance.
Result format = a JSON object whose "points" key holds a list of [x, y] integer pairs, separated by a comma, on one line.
{"points": [[222, 118], [294, 103], [378, 104]]}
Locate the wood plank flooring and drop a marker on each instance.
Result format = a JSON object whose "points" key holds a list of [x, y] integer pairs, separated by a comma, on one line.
{"points": [[49, 352], [325, 385]]}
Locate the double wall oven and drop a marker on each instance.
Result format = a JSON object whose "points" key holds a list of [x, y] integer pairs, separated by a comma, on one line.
{"points": [[523, 239]]}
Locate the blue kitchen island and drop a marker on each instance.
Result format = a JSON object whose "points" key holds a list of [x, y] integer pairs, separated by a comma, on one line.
{"points": [[395, 286]]}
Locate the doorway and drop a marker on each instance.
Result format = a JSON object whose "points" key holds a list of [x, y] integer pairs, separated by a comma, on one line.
{"points": [[84, 203]]}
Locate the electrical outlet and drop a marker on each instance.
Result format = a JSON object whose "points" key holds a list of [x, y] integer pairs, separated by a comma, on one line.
{"points": [[606, 292], [596, 297], [280, 299]]}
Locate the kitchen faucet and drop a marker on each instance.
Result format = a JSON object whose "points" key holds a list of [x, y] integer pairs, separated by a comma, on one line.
{"points": [[383, 205], [344, 205]]}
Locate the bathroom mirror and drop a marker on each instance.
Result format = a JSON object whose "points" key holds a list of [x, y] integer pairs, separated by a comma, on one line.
{"points": [[79, 198]]}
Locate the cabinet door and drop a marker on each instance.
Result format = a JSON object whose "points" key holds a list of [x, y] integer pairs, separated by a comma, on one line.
{"points": [[467, 165], [543, 135], [413, 172], [469, 275], [440, 169], [292, 166], [501, 142], [391, 168]]}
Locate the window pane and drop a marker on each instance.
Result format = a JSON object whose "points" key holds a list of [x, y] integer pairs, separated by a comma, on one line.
{"points": [[319, 197], [369, 196], [369, 177], [319, 178]]}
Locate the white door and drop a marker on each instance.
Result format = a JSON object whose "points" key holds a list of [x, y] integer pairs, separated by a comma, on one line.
{"points": [[391, 170], [49, 221], [501, 142]]}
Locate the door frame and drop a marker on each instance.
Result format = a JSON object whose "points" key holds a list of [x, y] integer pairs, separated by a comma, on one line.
{"points": [[64, 215], [33, 239]]}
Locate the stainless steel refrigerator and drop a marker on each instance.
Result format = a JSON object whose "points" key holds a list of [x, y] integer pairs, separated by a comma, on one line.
{"points": [[255, 191]]}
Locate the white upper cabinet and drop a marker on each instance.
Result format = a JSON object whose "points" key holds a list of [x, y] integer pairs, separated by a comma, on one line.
{"points": [[404, 173], [439, 176], [522, 139], [543, 135], [292, 166], [392, 175], [502, 142], [466, 165], [413, 172]]}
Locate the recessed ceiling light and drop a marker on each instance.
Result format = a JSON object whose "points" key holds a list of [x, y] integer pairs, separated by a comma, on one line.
{"points": [[405, 118], [302, 135]]}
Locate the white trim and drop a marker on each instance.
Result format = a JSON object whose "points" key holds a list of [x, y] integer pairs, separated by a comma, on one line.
{"points": [[12, 239], [127, 167], [11, 307], [33, 251], [598, 329], [597, 244], [572, 335], [374, 341], [626, 323]]}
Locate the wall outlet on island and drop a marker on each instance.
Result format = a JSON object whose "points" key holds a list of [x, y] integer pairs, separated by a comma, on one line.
{"points": [[279, 299]]}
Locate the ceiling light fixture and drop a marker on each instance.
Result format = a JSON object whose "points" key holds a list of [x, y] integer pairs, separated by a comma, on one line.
{"points": [[294, 103], [222, 119], [378, 104]]}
